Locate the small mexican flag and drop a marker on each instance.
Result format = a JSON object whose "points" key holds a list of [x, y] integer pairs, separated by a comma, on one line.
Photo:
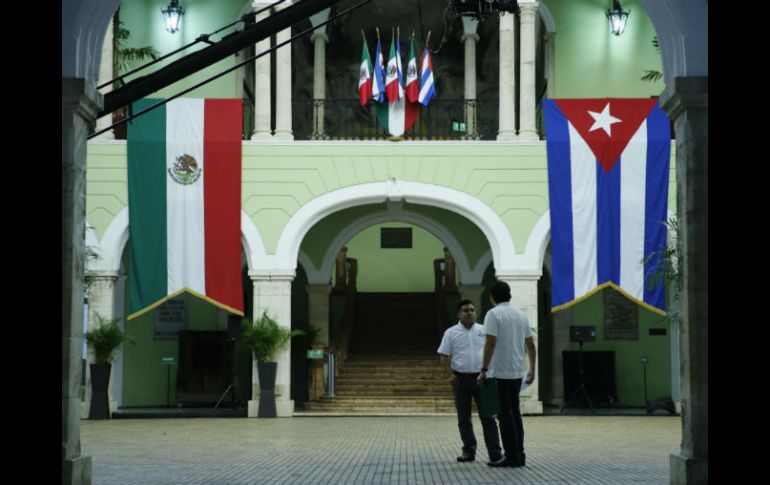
{"points": [[398, 114], [365, 76], [184, 201]]}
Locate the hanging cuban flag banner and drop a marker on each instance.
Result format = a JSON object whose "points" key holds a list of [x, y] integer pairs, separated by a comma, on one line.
{"points": [[184, 201], [378, 81], [427, 90], [365, 75], [608, 171]]}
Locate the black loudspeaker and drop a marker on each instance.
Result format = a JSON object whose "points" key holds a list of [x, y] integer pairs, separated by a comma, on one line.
{"points": [[598, 374], [234, 328]]}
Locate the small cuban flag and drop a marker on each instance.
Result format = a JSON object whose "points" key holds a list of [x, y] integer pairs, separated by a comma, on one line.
{"points": [[608, 171], [427, 89]]}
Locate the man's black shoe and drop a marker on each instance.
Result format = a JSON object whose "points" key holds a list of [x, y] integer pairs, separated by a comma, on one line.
{"points": [[495, 457], [502, 462], [465, 457]]}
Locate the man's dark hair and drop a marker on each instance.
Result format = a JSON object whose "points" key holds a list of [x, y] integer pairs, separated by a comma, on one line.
{"points": [[500, 291], [464, 302]]}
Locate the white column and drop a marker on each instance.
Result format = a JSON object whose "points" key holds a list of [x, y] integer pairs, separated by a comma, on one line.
{"points": [[470, 37], [105, 74], [507, 116], [524, 297], [283, 87], [319, 83], [550, 69], [319, 40], [318, 309], [273, 293], [262, 100], [473, 293], [101, 301], [528, 131]]}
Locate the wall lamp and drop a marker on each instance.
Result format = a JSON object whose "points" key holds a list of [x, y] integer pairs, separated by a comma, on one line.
{"points": [[172, 16], [617, 18]]}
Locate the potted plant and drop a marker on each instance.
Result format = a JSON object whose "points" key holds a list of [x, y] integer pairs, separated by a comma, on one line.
{"points": [[265, 338], [104, 339]]}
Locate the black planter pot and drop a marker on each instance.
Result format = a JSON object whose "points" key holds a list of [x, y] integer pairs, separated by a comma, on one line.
{"points": [[100, 384], [267, 371]]}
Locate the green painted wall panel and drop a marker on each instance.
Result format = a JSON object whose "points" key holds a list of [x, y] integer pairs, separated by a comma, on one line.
{"points": [[592, 63], [395, 270], [145, 378], [628, 369]]}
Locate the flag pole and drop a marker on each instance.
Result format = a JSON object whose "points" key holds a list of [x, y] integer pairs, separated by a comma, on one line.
{"points": [[362, 35], [378, 32]]}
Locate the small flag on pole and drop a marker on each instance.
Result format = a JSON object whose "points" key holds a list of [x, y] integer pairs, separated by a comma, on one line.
{"points": [[412, 85], [378, 81], [365, 75], [427, 89]]}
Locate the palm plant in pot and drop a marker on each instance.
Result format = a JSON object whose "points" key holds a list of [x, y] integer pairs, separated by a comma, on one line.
{"points": [[266, 338], [104, 339]]}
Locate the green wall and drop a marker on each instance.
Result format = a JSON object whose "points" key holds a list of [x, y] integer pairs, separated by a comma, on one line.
{"points": [[629, 380], [592, 63], [145, 22], [395, 269], [144, 376]]}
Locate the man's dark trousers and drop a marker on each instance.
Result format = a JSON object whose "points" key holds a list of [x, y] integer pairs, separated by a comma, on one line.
{"points": [[511, 426], [465, 388]]}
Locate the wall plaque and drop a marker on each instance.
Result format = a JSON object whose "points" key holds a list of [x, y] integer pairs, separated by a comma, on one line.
{"points": [[621, 316], [395, 237]]}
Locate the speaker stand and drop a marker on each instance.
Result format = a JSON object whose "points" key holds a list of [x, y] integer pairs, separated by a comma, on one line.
{"points": [[581, 389]]}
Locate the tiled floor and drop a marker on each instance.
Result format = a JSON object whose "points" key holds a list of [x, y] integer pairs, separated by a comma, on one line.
{"points": [[373, 450]]}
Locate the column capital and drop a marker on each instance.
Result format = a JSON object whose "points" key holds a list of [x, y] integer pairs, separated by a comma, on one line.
{"points": [[272, 275], [528, 8], [475, 37], [519, 275], [469, 25], [323, 289], [685, 93], [471, 288], [103, 274], [81, 97], [319, 36]]}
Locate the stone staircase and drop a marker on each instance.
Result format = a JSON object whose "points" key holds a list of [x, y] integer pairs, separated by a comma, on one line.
{"points": [[393, 367]]}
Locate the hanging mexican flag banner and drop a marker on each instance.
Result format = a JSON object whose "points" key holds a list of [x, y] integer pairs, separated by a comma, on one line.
{"points": [[184, 201]]}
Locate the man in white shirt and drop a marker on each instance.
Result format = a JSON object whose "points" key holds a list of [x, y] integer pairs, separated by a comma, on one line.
{"points": [[507, 337], [463, 344]]}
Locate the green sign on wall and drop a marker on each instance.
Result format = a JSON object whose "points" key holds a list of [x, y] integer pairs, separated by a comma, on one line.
{"points": [[315, 354]]}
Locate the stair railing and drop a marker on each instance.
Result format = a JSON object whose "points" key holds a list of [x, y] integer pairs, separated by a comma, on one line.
{"points": [[339, 347]]}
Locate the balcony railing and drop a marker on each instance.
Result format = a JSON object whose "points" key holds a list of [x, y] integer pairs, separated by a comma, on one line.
{"points": [[346, 119]]}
